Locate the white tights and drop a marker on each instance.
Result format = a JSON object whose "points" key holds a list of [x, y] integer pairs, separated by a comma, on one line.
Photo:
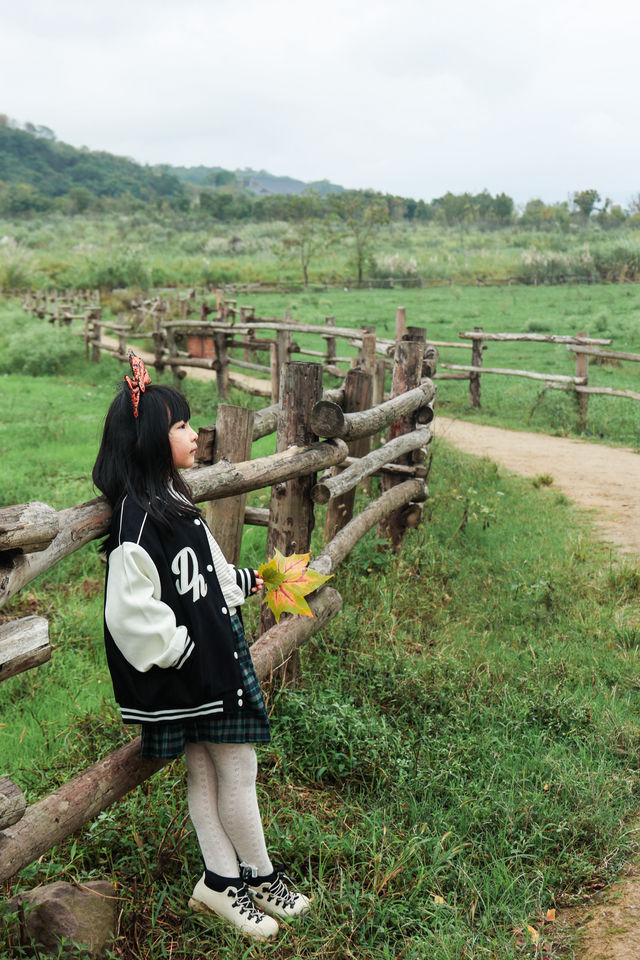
{"points": [[221, 784]]}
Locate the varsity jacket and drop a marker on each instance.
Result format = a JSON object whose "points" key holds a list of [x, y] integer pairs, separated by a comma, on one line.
{"points": [[167, 627]]}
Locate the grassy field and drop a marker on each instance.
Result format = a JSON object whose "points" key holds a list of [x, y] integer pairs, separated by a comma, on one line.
{"points": [[462, 752], [140, 250]]}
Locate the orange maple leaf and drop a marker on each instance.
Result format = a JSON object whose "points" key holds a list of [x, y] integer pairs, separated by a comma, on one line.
{"points": [[287, 581]]}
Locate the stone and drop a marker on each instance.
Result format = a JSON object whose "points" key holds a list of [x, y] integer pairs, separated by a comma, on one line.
{"points": [[82, 913]]}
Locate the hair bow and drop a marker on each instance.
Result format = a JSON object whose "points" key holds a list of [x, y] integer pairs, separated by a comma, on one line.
{"points": [[140, 380]]}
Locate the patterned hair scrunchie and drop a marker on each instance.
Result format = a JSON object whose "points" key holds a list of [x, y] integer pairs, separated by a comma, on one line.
{"points": [[140, 381]]}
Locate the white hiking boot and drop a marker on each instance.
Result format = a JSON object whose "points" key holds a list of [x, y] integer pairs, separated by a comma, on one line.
{"points": [[274, 897], [235, 905]]}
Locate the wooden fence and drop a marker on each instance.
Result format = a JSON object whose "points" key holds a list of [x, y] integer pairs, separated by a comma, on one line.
{"points": [[34, 537]]}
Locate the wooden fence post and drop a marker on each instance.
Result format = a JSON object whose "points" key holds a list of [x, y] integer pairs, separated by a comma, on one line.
{"points": [[401, 322], [331, 343], [222, 355], [476, 361], [358, 385], [582, 370], [233, 437], [158, 341], [291, 507], [96, 334], [407, 374]]}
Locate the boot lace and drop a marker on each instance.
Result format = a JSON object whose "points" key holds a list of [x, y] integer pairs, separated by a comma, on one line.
{"points": [[244, 904]]}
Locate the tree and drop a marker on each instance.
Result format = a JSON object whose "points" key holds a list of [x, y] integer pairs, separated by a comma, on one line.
{"points": [[308, 232], [585, 201], [361, 212]]}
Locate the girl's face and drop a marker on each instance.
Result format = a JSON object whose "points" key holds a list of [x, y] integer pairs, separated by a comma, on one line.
{"points": [[182, 440]]}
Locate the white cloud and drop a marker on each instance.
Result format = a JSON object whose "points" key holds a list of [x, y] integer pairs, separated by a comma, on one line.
{"points": [[413, 97]]}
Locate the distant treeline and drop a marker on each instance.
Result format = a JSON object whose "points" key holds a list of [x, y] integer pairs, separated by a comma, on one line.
{"points": [[38, 174]]}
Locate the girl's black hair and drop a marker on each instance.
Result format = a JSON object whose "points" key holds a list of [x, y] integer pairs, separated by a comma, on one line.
{"points": [[135, 454]]}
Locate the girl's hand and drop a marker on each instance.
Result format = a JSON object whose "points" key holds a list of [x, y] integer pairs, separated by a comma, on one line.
{"points": [[259, 583]]}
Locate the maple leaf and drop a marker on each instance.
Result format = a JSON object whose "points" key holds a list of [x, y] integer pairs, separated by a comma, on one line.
{"points": [[287, 581]]}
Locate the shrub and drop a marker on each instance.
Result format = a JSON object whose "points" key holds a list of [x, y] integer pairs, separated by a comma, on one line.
{"points": [[16, 265], [40, 351]]}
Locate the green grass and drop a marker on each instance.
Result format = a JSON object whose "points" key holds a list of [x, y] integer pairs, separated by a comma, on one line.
{"points": [[461, 753]]}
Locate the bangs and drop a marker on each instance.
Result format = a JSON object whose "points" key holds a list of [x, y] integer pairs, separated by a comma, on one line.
{"points": [[177, 405]]}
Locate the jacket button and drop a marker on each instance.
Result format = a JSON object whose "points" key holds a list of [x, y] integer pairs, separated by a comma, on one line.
{"points": [[209, 568], [239, 693], [224, 610], [239, 703], [235, 653], [197, 522]]}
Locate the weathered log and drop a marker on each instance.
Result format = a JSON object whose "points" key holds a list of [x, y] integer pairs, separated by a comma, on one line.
{"points": [[229, 479], [365, 466], [558, 378], [328, 419], [206, 437], [78, 525], [605, 391], [55, 817], [290, 506], [265, 421], [24, 644], [344, 541], [534, 337], [358, 392], [28, 527], [12, 803], [582, 377], [605, 354], [474, 377], [407, 373], [274, 647], [256, 516], [234, 430], [248, 365]]}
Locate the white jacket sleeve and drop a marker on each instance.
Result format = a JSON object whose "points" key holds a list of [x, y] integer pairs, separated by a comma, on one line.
{"points": [[143, 627]]}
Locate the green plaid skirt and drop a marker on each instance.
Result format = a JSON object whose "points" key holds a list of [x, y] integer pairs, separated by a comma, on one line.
{"points": [[250, 726]]}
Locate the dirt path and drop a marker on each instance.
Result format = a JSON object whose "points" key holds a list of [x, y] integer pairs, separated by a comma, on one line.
{"points": [[605, 481]]}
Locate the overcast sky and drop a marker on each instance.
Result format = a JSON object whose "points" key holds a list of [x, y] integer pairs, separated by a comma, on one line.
{"points": [[412, 97]]}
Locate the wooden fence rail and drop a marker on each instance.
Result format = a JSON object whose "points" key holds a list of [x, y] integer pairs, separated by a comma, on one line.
{"points": [[34, 537]]}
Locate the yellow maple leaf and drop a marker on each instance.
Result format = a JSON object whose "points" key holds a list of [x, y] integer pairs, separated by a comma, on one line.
{"points": [[287, 581]]}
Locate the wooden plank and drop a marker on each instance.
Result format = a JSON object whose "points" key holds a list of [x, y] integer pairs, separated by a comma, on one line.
{"points": [[24, 644], [28, 527]]}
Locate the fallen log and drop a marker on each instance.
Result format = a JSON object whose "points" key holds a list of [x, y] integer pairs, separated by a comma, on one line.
{"points": [[329, 420], [327, 489], [23, 644], [28, 527], [54, 818]]}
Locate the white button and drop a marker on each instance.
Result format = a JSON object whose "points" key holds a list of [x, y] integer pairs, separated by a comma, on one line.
{"points": [[209, 568], [239, 703], [235, 653], [224, 610], [197, 522], [239, 693]]}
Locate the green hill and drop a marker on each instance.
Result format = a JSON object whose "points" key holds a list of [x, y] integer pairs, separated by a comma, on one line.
{"points": [[36, 169]]}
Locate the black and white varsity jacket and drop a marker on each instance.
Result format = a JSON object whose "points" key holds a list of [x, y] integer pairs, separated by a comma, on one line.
{"points": [[167, 629]]}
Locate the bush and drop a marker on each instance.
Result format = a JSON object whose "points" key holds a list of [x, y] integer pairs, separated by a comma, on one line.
{"points": [[16, 265], [40, 351]]}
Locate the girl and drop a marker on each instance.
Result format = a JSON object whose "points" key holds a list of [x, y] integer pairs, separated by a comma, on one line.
{"points": [[177, 653]]}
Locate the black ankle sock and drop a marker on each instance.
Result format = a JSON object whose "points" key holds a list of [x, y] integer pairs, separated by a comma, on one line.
{"points": [[215, 882], [256, 881]]}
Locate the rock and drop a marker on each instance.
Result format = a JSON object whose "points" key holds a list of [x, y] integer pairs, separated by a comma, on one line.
{"points": [[81, 913]]}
